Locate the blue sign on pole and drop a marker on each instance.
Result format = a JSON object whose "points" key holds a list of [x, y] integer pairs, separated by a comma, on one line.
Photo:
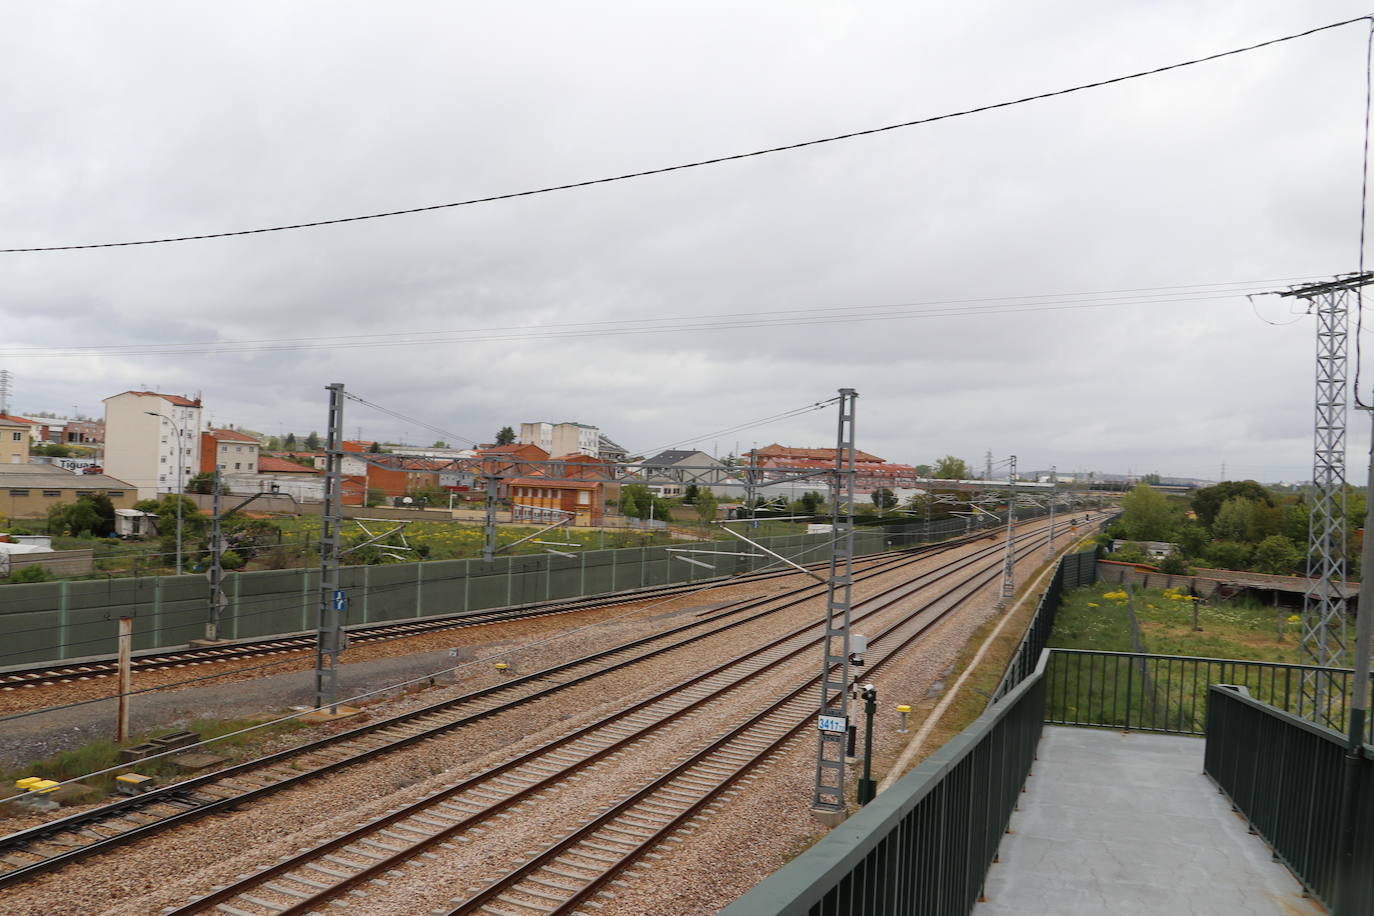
{"points": [[340, 600]]}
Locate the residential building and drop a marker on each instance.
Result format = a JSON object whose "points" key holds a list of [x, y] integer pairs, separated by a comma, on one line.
{"points": [[608, 450], [29, 491], [229, 450], [562, 438], [152, 440], [871, 472], [72, 432], [276, 475], [665, 474], [16, 438], [533, 497]]}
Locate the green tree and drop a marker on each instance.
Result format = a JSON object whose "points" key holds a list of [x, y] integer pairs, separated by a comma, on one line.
{"points": [[439, 443], [1191, 538], [812, 502], [375, 448], [1150, 480], [882, 498], [204, 482], [923, 470], [1147, 516], [1228, 554], [951, 468], [505, 436], [628, 508], [1129, 553], [232, 559], [312, 442], [706, 504], [1207, 502], [1276, 555], [690, 495], [92, 514], [1174, 565], [52, 450], [1248, 520], [290, 443]]}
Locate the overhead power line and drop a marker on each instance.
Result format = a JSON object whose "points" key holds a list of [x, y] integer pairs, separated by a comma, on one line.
{"points": [[737, 320], [661, 170]]}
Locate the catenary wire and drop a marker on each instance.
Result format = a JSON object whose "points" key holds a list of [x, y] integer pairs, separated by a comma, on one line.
{"points": [[705, 323], [418, 336], [661, 170]]}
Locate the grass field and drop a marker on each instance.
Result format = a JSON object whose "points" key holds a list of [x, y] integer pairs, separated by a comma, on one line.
{"points": [[1236, 642]]}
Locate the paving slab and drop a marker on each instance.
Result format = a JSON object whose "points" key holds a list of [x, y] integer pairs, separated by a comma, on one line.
{"points": [[1127, 824]]}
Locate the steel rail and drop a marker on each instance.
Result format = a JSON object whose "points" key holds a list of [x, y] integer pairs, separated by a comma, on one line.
{"points": [[666, 792], [530, 782], [181, 798]]}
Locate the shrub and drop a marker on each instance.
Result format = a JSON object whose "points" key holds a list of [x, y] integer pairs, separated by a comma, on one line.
{"points": [[231, 560], [33, 573]]}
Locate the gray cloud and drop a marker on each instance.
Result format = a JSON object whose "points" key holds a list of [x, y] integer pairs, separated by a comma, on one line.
{"points": [[182, 120]]}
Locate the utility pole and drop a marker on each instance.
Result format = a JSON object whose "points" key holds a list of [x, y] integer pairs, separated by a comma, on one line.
{"points": [[1009, 561], [1054, 486], [329, 641], [751, 486], [828, 800], [489, 528], [216, 571], [5, 382], [1323, 641], [987, 465]]}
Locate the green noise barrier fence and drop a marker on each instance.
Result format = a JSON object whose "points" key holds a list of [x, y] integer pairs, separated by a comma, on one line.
{"points": [[56, 621]]}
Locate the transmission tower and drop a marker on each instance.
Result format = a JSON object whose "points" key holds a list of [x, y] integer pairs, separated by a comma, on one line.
{"points": [[1323, 641]]}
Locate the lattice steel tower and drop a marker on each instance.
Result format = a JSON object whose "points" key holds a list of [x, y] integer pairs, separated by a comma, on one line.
{"points": [[1324, 641], [828, 800]]}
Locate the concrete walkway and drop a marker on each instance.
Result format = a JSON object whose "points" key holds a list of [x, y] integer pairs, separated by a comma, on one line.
{"points": [[1128, 824]]}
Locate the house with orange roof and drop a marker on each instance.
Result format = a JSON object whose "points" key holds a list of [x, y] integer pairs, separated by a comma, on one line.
{"points": [[229, 450], [16, 438]]}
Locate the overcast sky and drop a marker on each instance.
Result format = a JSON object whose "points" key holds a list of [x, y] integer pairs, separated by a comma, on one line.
{"points": [[133, 121]]}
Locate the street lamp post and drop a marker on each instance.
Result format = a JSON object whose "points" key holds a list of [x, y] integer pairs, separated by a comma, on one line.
{"points": [[177, 427]]}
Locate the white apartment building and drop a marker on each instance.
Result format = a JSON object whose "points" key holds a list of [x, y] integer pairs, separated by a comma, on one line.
{"points": [[152, 441], [562, 438]]}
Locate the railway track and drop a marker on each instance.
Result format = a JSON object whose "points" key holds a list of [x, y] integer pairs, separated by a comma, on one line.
{"points": [[562, 876], [20, 678], [48, 846]]}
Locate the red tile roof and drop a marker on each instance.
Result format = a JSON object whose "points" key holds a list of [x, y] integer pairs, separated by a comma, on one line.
{"points": [[269, 465], [816, 454], [11, 418], [554, 483], [176, 399], [232, 435]]}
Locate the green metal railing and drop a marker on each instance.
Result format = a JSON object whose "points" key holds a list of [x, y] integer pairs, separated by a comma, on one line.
{"points": [[1137, 691], [923, 847], [1072, 570], [1284, 775]]}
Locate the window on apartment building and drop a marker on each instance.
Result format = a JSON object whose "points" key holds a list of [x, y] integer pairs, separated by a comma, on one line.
{"points": [[52, 494], [19, 492], [583, 497], [18, 437], [114, 494], [237, 465]]}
